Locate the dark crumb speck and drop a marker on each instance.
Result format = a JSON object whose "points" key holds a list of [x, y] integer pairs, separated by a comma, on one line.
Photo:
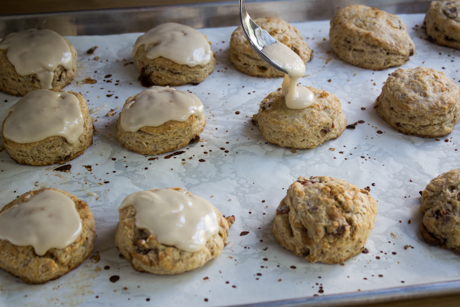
{"points": [[365, 251], [91, 50]]}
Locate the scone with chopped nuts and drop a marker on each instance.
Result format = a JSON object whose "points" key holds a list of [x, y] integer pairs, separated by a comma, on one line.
{"points": [[36, 59], [248, 62], [173, 54], [370, 38], [441, 211], [420, 101], [170, 231], [160, 119], [300, 128], [47, 127], [324, 219], [56, 233], [442, 23]]}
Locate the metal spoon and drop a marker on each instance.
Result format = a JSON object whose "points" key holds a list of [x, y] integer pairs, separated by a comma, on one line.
{"points": [[257, 37]]}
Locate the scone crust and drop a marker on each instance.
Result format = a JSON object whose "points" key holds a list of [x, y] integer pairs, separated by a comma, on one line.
{"points": [[304, 128], [442, 23], [248, 62], [324, 219], [370, 38], [162, 71], [420, 101], [440, 206], [146, 254], [22, 262], [54, 149], [14, 84], [167, 137]]}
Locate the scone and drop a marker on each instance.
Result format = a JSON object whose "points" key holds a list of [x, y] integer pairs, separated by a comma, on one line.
{"points": [[45, 234], [420, 101], [248, 62], [300, 128], [160, 119], [173, 54], [442, 23], [47, 127], [170, 231], [324, 219], [36, 59], [441, 211], [370, 38]]}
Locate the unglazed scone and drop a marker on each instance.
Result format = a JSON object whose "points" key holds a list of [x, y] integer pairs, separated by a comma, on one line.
{"points": [[160, 119], [442, 23], [147, 251], [173, 54], [300, 128], [370, 38], [324, 219], [248, 62], [25, 263], [36, 59], [48, 127], [420, 101], [441, 211]]}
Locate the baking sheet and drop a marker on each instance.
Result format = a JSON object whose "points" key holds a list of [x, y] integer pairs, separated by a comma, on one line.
{"points": [[241, 174]]}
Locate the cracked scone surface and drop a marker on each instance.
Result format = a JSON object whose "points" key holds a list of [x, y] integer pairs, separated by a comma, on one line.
{"points": [[247, 61], [54, 149], [324, 219], [300, 128], [14, 84], [167, 137], [370, 38], [163, 71], [420, 101], [146, 254], [440, 206], [23, 262], [442, 23]]}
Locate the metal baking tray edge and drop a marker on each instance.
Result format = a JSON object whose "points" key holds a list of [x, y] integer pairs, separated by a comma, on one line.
{"points": [[222, 14]]}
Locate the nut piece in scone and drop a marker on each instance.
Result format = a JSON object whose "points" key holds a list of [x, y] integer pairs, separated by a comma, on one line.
{"points": [[324, 219]]}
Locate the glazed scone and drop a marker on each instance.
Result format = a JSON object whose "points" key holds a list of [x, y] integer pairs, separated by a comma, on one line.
{"points": [[442, 23], [370, 38], [39, 264], [420, 101], [47, 127], [248, 62], [173, 54], [160, 119], [441, 211], [168, 248], [300, 128], [36, 59], [324, 219]]}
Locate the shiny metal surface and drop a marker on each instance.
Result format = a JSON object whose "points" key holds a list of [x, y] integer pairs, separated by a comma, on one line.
{"points": [[205, 15]]}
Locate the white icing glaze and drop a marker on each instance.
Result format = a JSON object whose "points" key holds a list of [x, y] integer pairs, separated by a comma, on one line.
{"points": [[157, 105], [296, 97], [46, 220], [175, 218], [44, 113], [178, 43], [37, 52]]}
